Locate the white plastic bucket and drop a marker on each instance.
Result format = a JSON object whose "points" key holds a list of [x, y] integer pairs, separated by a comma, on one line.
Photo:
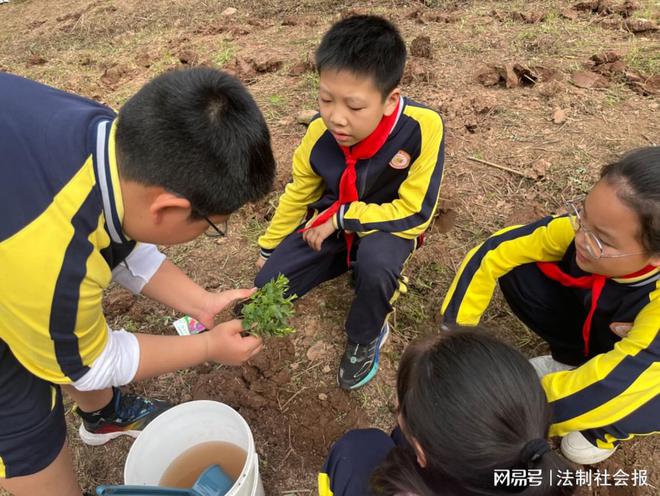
{"points": [[187, 425]]}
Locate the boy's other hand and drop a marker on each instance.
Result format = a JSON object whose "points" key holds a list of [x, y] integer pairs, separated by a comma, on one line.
{"points": [[315, 236], [226, 345], [217, 302], [261, 261]]}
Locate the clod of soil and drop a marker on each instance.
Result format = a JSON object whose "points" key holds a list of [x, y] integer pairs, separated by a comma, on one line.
{"points": [[267, 63], [559, 116], [640, 25], [513, 75], [421, 47], [588, 80], [644, 86], [112, 76], [626, 8], [143, 59], [606, 57], [540, 168], [290, 21], [242, 69], [36, 60], [569, 13], [533, 17], [416, 71], [318, 351], [424, 16], [298, 68], [607, 7], [188, 57], [608, 63], [594, 6]]}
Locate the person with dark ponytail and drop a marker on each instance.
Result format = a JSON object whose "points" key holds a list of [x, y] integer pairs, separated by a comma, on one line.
{"points": [[471, 412], [587, 282]]}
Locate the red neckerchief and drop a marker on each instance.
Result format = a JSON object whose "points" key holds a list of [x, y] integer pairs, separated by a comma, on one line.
{"points": [[595, 282], [363, 150]]}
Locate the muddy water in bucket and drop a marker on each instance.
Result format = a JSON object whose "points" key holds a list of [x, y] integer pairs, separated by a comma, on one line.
{"points": [[188, 466], [182, 428]]}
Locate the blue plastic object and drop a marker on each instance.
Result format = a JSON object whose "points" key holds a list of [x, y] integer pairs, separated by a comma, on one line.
{"points": [[212, 482]]}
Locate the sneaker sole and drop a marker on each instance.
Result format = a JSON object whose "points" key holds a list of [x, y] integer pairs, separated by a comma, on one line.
{"points": [[92, 439], [374, 367]]}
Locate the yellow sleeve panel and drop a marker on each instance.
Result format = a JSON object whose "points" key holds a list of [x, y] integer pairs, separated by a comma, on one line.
{"points": [[324, 485], [305, 187], [27, 290], [472, 288], [410, 214], [611, 385]]}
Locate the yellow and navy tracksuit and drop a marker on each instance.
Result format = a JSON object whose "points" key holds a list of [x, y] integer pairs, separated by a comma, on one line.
{"points": [[613, 393], [60, 238], [398, 192], [353, 459]]}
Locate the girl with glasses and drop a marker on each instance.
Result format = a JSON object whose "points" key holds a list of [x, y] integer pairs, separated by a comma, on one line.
{"points": [[588, 282]]}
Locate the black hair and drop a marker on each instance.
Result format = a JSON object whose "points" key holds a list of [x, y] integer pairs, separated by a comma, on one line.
{"points": [[199, 134], [637, 178], [364, 45], [474, 405]]}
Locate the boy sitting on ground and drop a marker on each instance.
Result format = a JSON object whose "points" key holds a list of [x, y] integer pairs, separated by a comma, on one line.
{"points": [[365, 186]]}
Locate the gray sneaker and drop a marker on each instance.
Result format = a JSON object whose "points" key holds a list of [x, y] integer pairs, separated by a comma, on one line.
{"points": [[359, 363], [545, 365]]}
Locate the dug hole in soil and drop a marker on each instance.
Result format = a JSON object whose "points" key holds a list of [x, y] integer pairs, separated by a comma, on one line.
{"points": [[293, 426]]}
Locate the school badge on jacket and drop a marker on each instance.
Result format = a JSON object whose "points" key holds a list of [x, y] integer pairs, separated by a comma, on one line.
{"points": [[400, 161]]}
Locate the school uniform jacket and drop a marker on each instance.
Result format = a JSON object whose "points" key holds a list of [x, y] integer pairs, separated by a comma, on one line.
{"points": [[609, 387], [60, 226], [398, 187]]}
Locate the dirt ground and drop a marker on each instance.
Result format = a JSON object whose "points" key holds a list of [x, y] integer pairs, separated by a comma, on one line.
{"points": [[535, 95]]}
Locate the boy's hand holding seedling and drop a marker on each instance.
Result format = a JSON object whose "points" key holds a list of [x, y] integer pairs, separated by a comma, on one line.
{"points": [[226, 344], [214, 303], [268, 311]]}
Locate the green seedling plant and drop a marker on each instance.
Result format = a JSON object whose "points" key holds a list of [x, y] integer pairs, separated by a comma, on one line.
{"points": [[268, 311]]}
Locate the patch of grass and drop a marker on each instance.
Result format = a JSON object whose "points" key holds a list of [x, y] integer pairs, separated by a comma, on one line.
{"points": [[644, 58], [312, 81], [615, 95], [252, 229], [224, 54], [275, 108]]}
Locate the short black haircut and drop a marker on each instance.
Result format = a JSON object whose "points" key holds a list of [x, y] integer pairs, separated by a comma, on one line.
{"points": [[364, 45], [199, 134]]}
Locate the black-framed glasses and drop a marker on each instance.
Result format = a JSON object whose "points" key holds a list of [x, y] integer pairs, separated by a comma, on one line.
{"points": [[595, 247], [213, 231]]}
